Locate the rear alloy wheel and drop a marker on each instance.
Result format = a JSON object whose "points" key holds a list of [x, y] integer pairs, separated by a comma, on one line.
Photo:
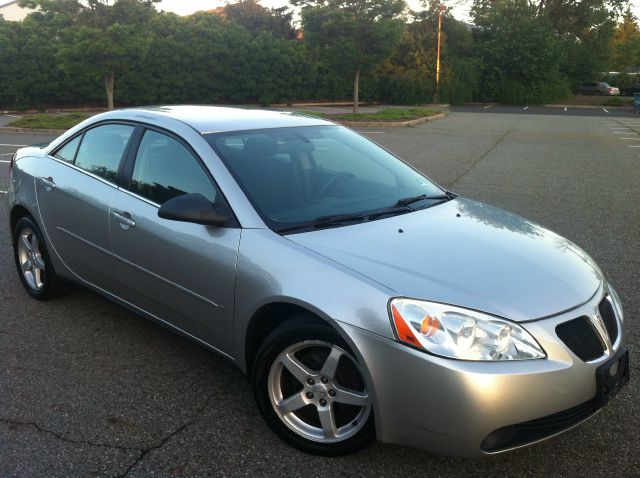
{"points": [[312, 392], [32, 260]]}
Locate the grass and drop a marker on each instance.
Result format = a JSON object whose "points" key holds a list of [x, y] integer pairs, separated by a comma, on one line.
{"points": [[390, 114], [387, 114], [49, 121], [617, 101]]}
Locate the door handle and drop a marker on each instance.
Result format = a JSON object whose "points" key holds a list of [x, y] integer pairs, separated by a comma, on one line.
{"points": [[124, 218], [48, 183]]}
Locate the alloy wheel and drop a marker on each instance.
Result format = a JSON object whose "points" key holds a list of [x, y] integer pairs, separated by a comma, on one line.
{"points": [[30, 258], [317, 389]]}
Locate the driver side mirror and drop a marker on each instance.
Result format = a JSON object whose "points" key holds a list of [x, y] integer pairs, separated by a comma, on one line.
{"points": [[192, 208]]}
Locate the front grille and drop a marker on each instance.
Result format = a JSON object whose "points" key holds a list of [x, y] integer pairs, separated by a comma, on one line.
{"points": [[609, 318], [580, 336], [534, 430]]}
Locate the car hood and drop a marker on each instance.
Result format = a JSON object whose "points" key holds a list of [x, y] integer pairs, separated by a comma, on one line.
{"points": [[465, 253]]}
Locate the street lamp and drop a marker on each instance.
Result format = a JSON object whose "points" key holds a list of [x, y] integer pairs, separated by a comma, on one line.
{"points": [[441, 10]]}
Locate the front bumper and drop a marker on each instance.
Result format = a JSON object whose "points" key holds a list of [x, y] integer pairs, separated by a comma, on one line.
{"points": [[455, 407]]}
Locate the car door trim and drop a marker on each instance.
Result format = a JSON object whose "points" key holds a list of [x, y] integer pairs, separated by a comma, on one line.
{"points": [[143, 199], [142, 269], [84, 171]]}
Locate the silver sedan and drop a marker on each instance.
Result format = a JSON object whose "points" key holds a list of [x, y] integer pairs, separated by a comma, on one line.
{"points": [[363, 300]]}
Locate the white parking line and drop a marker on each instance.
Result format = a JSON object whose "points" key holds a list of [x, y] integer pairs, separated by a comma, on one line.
{"points": [[3, 192], [12, 116], [4, 161], [525, 108], [565, 108], [6, 154], [605, 110], [630, 139], [16, 145], [620, 132], [488, 106]]}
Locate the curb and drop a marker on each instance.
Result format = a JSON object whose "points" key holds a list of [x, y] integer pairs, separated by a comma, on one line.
{"points": [[413, 122], [393, 124], [585, 107], [49, 132]]}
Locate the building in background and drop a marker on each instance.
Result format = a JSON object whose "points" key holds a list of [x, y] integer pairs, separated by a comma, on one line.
{"points": [[12, 11]]}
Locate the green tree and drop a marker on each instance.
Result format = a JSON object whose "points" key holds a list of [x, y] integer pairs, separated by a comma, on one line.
{"points": [[409, 76], [520, 55], [256, 18], [625, 43], [581, 28], [9, 60], [97, 37], [353, 35]]}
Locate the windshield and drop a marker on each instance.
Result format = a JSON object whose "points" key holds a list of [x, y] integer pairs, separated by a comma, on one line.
{"points": [[295, 176]]}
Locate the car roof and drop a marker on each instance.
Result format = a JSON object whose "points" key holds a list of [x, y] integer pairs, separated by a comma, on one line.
{"points": [[215, 119]]}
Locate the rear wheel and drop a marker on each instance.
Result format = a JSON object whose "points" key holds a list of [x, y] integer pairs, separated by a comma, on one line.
{"points": [[33, 263], [311, 390]]}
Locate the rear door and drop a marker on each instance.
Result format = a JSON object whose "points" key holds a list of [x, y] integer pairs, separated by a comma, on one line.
{"points": [[181, 273], [74, 190]]}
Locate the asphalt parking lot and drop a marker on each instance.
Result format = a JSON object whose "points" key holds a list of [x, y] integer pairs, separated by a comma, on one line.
{"points": [[87, 388]]}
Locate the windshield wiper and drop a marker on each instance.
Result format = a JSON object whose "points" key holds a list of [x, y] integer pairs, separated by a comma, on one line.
{"points": [[393, 210], [400, 207], [411, 200], [325, 221]]}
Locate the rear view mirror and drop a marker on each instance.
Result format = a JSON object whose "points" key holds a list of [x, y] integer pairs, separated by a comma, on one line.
{"points": [[192, 208]]}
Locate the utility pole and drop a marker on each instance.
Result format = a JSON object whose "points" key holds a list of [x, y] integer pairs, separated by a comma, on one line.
{"points": [[441, 10]]}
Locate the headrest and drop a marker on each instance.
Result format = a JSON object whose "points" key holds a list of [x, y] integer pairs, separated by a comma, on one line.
{"points": [[295, 147], [260, 145], [109, 142]]}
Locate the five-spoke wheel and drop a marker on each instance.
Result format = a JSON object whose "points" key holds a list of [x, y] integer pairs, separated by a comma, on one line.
{"points": [[312, 390], [32, 260], [326, 405]]}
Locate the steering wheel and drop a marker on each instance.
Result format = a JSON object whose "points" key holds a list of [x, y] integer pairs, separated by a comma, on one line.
{"points": [[333, 181]]}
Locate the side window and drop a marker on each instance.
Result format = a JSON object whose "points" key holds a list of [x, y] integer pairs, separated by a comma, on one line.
{"points": [[164, 169], [102, 148], [68, 151]]}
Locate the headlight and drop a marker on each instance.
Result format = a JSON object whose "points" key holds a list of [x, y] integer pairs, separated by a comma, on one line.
{"points": [[460, 333], [617, 303]]}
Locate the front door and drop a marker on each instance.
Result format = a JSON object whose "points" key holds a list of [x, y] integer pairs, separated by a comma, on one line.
{"points": [[181, 273]]}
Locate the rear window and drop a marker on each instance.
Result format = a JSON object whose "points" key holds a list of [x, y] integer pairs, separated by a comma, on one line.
{"points": [[102, 149]]}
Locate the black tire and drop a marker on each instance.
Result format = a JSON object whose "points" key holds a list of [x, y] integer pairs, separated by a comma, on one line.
{"points": [[597, 93], [49, 285], [295, 331]]}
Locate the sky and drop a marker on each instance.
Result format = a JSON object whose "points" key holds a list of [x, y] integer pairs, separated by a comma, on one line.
{"points": [[183, 7], [460, 7]]}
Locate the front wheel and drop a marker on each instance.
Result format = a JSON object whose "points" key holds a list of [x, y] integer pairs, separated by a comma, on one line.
{"points": [[311, 390]]}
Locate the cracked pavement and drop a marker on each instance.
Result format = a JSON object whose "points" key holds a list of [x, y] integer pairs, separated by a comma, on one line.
{"points": [[89, 389]]}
